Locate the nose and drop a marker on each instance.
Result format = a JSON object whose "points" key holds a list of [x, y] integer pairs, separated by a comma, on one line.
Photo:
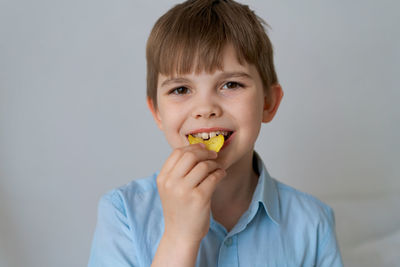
{"points": [[206, 109]]}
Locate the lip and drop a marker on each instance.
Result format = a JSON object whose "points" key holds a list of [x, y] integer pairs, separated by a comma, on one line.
{"points": [[208, 130], [228, 141], [215, 129]]}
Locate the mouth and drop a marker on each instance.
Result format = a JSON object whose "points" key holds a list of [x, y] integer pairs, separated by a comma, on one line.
{"points": [[207, 134]]}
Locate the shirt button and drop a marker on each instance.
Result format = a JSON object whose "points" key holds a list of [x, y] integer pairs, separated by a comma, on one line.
{"points": [[228, 242]]}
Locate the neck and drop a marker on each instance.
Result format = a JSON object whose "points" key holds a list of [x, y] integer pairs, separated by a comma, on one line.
{"points": [[233, 194]]}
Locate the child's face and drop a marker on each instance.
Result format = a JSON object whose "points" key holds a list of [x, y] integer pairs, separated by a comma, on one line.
{"points": [[230, 100]]}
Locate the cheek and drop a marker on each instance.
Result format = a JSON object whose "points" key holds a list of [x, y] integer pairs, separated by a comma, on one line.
{"points": [[250, 109], [251, 114], [171, 120]]}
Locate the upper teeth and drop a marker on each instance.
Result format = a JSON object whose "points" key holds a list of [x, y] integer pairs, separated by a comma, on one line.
{"points": [[210, 134]]}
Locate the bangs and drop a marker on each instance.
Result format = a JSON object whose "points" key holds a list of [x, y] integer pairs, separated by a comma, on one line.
{"points": [[192, 52]]}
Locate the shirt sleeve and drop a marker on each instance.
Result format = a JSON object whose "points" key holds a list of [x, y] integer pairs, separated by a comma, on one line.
{"points": [[328, 254], [112, 245]]}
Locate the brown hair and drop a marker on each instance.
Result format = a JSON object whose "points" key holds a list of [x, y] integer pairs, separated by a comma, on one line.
{"points": [[192, 35]]}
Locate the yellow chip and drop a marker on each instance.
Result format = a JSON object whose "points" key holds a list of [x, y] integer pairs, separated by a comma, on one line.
{"points": [[214, 143]]}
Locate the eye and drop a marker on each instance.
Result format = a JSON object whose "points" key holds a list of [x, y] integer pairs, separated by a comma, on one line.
{"points": [[179, 91], [232, 85]]}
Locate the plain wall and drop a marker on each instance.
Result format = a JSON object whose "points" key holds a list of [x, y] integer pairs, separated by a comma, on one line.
{"points": [[74, 123]]}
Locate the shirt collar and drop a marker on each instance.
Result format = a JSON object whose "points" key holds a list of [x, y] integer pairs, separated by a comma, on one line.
{"points": [[266, 191]]}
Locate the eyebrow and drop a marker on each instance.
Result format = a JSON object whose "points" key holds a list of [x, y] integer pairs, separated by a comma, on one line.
{"points": [[224, 75], [174, 80], [237, 74]]}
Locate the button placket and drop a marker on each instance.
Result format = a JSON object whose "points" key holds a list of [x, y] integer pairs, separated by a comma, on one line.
{"points": [[228, 242], [228, 254]]}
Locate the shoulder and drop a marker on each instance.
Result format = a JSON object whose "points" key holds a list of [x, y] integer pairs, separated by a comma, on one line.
{"points": [[132, 198], [127, 216], [303, 207], [310, 224], [138, 188], [305, 216]]}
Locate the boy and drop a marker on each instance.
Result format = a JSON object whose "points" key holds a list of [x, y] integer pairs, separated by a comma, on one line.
{"points": [[210, 72]]}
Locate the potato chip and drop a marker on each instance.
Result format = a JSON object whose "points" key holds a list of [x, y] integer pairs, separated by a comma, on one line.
{"points": [[214, 143]]}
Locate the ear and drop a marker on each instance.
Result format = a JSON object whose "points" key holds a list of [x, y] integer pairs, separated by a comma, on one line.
{"points": [[154, 111], [272, 102]]}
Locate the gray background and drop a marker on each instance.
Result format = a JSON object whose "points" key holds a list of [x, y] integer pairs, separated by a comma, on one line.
{"points": [[74, 124]]}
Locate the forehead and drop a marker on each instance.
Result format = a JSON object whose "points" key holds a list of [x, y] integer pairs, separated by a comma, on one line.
{"points": [[229, 64]]}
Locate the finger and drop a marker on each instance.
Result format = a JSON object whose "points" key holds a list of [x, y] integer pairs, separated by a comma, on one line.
{"points": [[200, 172], [208, 185], [176, 155], [191, 156]]}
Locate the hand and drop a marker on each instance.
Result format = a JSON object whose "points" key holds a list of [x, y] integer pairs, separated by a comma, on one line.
{"points": [[186, 183]]}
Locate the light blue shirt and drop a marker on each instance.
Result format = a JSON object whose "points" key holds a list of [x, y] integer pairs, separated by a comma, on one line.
{"points": [[282, 227]]}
